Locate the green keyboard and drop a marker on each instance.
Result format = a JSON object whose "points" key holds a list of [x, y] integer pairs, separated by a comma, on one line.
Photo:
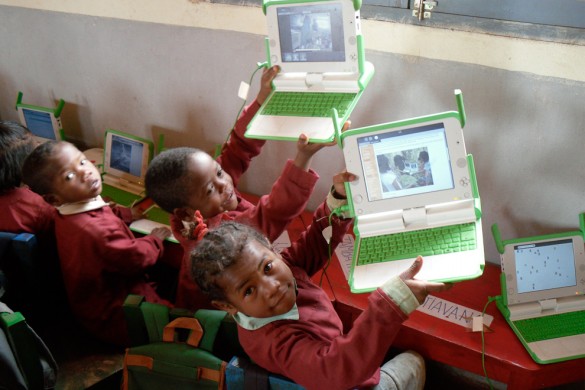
{"points": [[157, 214], [435, 241], [552, 326], [312, 104], [123, 198]]}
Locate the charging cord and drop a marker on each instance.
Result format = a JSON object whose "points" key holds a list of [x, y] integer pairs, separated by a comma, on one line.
{"points": [[218, 148], [340, 213], [490, 300]]}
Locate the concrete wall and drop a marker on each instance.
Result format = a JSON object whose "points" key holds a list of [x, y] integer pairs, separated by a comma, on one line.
{"points": [[174, 67]]}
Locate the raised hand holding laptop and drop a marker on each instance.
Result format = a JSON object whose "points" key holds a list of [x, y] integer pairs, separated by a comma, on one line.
{"points": [[319, 49]]}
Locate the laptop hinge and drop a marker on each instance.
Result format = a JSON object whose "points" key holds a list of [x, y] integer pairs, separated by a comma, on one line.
{"points": [[317, 82]]}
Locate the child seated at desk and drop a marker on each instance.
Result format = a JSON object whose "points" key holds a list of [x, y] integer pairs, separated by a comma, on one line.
{"points": [[287, 324], [22, 209], [101, 260], [184, 181]]}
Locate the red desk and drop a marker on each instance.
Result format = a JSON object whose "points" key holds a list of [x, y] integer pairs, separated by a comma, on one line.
{"points": [[505, 357]]}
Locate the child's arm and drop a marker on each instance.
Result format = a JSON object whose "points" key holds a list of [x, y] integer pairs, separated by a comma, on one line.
{"points": [[238, 151], [312, 250]]}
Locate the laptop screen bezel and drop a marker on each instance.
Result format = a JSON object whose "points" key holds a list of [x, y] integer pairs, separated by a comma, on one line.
{"points": [[351, 29], [147, 151], [509, 268], [55, 124], [462, 186]]}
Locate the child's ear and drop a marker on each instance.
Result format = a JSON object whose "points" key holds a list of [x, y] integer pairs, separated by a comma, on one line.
{"points": [[184, 213], [222, 305]]}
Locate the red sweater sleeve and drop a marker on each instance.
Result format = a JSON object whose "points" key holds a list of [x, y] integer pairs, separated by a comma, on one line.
{"points": [[239, 151], [287, 199]]}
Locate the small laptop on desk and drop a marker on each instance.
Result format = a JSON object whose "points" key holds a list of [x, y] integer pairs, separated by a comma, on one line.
{"points": [[400, 213], [126, 159], [543, 293], [320, 51], [43, 122]]}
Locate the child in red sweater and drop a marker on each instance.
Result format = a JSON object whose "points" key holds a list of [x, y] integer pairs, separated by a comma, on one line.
{"points": [[184, 181], [287, 324], [101, 260], [22, 209]]}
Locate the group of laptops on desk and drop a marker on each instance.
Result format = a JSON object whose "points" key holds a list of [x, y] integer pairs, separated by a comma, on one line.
{"points": [[123, 162]]}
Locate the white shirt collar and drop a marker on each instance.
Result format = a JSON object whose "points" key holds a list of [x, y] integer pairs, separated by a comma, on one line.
{"points": [[82, 206]]}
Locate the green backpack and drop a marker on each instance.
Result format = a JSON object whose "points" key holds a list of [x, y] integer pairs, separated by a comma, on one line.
{"points": [[174, 349]]}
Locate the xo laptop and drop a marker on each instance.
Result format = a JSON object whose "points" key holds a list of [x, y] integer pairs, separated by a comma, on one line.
{"points": [[416, 194], [543, 292], [126, 158], [323, 72], [43, 122]]}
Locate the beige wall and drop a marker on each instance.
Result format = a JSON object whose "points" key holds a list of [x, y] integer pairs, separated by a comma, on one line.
{"points": [[152, 67]]}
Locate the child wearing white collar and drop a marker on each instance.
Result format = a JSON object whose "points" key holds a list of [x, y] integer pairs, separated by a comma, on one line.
{"points": [[101, 260]]}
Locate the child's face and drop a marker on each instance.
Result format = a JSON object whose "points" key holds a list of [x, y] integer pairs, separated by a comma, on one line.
{"points": [[211, 190], [76, 178], [259, 284]]}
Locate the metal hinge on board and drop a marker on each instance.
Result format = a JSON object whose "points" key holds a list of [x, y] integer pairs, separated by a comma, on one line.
{"points": [[422, 9]]}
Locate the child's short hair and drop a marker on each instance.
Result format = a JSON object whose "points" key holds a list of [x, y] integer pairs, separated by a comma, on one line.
{"points": [[16, 143], [37, 171], [219, 249], [166, 180]]}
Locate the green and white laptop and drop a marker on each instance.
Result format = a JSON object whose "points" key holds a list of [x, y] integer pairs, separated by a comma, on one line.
{"points": [[416, 194], [323, 72], [43, 122], [543, 292], [126, 159]]}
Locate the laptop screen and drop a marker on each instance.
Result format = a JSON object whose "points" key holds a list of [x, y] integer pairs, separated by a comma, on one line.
{"points": [[126, 156], [545, 265], [542, 268], [42, 124], [406, 162], [311, 33]]}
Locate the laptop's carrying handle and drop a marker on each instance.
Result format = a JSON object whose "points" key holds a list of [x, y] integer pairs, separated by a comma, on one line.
{"points": [[460, 107]]}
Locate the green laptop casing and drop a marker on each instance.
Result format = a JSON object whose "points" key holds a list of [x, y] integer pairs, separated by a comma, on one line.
{"points": [[55, 111]]}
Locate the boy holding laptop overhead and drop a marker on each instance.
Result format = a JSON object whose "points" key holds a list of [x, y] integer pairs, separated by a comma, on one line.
{"points": [[186, 181], [101, 260]]}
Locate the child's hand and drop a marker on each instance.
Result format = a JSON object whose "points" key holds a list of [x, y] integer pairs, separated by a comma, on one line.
{"points": [[137, 213], [161, 232], [306, 150], [341, 178], [268, 74], [421, 288]]}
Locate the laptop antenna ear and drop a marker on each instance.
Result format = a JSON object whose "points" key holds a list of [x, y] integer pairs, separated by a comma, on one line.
{"points": [[497, 238], [460, 107]]}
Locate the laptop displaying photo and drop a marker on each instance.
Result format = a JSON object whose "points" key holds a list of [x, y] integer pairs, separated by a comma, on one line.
{"points": [[416, 194], [543, 293], [43, 122], [323, 72], [126, 159]]}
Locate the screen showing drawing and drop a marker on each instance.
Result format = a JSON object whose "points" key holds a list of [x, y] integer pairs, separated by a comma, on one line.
{"points": [[545, 266], [39, 123], [406, 162], [311, 33], [127, 155]]}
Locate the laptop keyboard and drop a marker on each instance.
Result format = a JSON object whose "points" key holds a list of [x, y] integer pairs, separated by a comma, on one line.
{"points": [[552, 327], [312, 104], [435, 241]]}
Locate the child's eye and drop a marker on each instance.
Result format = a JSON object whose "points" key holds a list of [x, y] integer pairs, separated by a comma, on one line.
{"points": [[69, 176], [210, 190], [248, 292], [268, 267], [219, 172], [83, 162]]}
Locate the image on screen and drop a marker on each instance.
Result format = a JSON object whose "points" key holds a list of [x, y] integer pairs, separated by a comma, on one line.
{"points": [[39, 123], [311, 33], [406, 162], [545, 266], [126, 155]]}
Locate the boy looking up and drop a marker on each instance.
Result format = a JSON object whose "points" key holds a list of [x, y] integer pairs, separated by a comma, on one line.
{"points": [[101, 260]]}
